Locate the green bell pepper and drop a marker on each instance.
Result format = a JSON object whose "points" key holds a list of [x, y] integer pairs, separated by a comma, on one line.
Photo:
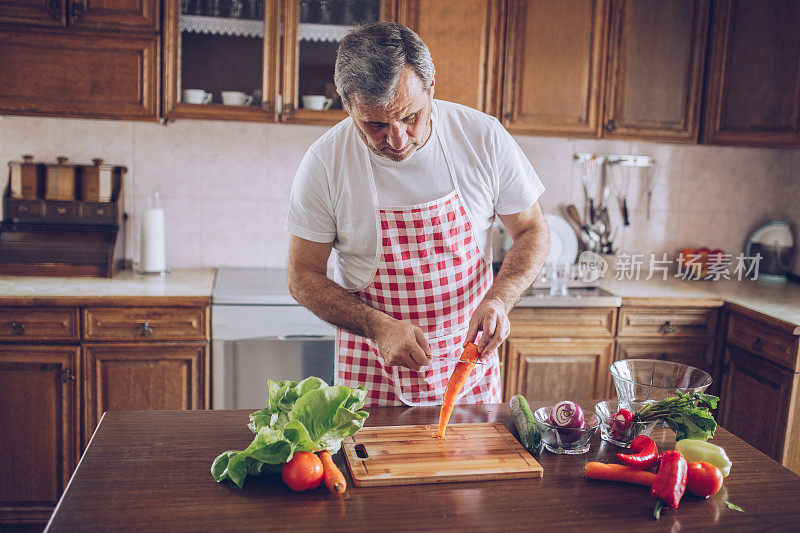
{"points": [[700, 450]]}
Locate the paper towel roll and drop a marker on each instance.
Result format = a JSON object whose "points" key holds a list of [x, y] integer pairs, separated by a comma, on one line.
{"points": [[152, 241]]}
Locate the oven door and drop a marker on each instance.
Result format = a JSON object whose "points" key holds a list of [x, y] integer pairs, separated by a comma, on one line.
{"points": [[253, 343]]}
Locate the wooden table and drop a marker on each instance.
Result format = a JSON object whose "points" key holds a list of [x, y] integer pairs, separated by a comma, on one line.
{"points": [[149, 470]]}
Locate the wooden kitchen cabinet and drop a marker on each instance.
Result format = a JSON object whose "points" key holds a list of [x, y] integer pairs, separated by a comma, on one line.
{"points": [[134, 15], [615, 68], [555, 57], [34, 12], [135, 377], [64, 361], [656, 58], [753, 79], [465, 39], [39, 395], [760, 400], [559, 353], [61, 73]]}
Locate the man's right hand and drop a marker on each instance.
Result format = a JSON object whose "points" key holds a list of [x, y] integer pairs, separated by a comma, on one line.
{"points": [[403, 344]]}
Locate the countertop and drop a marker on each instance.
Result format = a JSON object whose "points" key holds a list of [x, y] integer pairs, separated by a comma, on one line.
{"points": [[126, 283], [268, 286], [149, 470]]}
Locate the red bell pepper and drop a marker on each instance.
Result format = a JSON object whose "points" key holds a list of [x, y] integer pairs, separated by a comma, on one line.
{"points": [[645, 453], [670, 482]]}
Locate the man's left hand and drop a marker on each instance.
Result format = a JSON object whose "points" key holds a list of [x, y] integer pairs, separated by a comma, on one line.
{"points": [[491, 318]]}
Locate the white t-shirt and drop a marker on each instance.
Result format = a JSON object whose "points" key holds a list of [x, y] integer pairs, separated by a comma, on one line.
{"points": [[419, 179], [335, 198]]}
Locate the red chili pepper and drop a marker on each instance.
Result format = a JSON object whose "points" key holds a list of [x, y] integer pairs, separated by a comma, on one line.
{"points": [[622, 421], [670, 482], [645, 453]]}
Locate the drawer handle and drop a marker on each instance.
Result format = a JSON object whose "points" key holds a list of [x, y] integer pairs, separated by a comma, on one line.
{"points": [[667, 328], [100, 211], [67, 376], [146, 330], [61, 210], [757, 344], [17, 328], [23, 209]]}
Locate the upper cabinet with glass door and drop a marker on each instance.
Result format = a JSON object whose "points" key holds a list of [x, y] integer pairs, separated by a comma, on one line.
{"points": [[220, 59], [313, 30]]}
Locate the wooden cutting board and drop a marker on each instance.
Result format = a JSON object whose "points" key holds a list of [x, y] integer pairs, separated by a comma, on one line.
{"points": [[410, 455]]}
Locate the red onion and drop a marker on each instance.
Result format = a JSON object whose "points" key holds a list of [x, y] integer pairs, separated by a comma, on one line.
{"points": [[567, 414]]}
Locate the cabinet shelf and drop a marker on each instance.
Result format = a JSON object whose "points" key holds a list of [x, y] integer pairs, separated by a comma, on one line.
{"points": [[222, 26]]}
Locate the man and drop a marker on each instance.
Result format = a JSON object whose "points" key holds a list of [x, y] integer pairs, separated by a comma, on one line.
{"points": [[406, 189]]}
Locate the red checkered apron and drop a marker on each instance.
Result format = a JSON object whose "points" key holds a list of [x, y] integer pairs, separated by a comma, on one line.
{"points": [[431, 273]]}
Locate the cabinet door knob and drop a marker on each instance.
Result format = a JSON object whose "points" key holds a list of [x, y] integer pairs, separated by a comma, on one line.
{"points": [[757, 344], [23, 209], [67, 376], [146, 330], [17, 328], [667, 328], [611, 125], [54, 7], [78, 8], [61, 210]]}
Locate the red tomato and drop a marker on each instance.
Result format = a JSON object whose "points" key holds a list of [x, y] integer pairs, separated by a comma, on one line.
{"points": [[703, 479], [303, 472]]}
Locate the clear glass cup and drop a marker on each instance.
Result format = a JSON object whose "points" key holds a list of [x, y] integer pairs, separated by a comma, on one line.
{"points": [[560, 275]]}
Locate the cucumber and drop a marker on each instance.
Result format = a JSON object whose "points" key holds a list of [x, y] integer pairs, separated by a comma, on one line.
{"points": [[526, 425]]}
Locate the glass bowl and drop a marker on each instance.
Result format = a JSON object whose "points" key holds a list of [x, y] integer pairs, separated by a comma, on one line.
{"points": [[619, 432], [565, 440], [640, 380]]}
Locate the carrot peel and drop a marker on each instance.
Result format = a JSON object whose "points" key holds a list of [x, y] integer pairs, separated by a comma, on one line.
{"points": [[333, 477], [463, 369], [615, 472]]}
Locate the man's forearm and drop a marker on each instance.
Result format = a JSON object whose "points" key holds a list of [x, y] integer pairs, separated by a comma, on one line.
{"points": [[332, 303], [521, 266]]}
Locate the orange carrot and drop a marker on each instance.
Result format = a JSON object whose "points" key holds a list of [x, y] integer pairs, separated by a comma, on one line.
{"points": [[460, 374], [333, 477], [615, 472]]}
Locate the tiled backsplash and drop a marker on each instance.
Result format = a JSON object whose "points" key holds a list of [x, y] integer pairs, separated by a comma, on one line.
{"points": [[225, 186]]}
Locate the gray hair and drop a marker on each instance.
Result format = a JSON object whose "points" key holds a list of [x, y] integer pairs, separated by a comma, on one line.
{"points": [[372, 56]]}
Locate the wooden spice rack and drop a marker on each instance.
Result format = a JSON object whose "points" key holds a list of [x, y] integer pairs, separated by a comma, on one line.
{"points": [[41, 237]]}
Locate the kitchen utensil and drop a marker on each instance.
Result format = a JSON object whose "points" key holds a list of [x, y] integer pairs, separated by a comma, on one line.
{"points": [[563, 241], [458, 360], [572, 212], [410, 455], [775, 244]]}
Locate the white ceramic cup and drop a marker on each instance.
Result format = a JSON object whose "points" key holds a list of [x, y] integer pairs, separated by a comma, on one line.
{"points": [[318, 102], [236, 98], [196, 96]]}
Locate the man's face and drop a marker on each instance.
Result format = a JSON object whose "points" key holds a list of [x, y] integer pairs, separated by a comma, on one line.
{"points": [[396, 131]]}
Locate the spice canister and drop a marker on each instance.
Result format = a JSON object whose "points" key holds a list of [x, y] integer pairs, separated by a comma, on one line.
{"points": [[27, 178], [60, 181], [97, 182]]}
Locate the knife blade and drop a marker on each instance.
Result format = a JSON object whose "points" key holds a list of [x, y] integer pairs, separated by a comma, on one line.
{"points": [[458, 360]]}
